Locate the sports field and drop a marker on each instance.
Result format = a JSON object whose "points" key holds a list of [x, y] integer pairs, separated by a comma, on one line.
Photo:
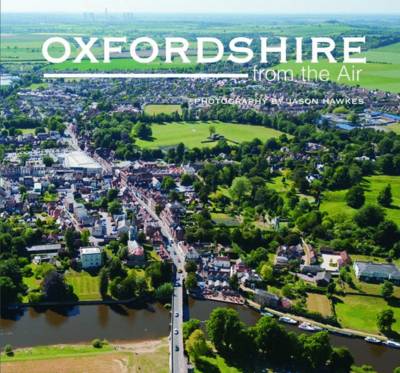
{"points": [[335, 202], [162, 109], [383, 76], [193, 133]]}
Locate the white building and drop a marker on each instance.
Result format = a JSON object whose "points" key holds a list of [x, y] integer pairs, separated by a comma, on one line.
{"points": [[90, 257]]}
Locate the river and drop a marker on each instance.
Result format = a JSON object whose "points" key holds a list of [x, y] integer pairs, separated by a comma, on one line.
{"points": [[116, 323]]}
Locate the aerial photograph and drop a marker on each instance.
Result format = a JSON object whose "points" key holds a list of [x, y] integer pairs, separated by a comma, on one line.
{"points": [[200, 187]]}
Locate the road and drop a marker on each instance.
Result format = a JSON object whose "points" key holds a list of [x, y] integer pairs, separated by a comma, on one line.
{"points": [[178, 360]]}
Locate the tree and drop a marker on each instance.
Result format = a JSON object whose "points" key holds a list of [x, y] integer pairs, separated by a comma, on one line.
{"points": [[23, 158], [191, 281], [385, 197], [8, 291], [241, 187], [224, 329], [47, 161], [8, 350], [190, 266], [123, 289], [385, 320], [196, 345], [114, 207], [317, 350], [341, 360], [143, 131], [387, 289], [168, 184], [212, 130], [115, 268], [355, 197], [266, 272], [369, 216], [103, 282], [234, 282], [189, 327], [55, 288], [164, 292]]}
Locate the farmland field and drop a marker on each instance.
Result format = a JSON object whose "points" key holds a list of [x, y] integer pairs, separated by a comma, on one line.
{"points": [[334, 202], [162, 109], [192, 134], [387, 54], [383, 76]]}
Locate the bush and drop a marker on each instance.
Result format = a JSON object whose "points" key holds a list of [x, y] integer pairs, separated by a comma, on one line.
{"points": [[97, 343], [8, 350]]}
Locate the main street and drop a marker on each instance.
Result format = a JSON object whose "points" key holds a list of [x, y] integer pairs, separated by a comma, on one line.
{"points": [[177, 356]]}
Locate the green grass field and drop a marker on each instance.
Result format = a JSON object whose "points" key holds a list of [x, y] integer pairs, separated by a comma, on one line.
{"points": [[154, 109], [359, 312], [334, 202], [394, 127], [387, 54], [385, 77], [319, 303], [192, 134], [119, 64], [86, 287]]}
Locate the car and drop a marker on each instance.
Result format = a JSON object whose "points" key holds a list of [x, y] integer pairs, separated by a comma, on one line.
{"points": [[176, 314], [176, 331], [176, 348]]}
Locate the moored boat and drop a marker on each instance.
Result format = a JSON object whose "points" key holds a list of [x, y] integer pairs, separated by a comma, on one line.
{"points": [[309, 327], [391, 343], [288, 320], [372, 340]]}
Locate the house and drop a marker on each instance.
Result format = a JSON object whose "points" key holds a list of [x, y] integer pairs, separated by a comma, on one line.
{"points": [[136, 254], [188, 251], [222, 262], [44, 249], [265, 299], [285, 253], [90, 257], [322, 278], [377, 272]]}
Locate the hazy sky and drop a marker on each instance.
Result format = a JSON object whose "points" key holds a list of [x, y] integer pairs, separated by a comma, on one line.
{"points": [[207, 6]]}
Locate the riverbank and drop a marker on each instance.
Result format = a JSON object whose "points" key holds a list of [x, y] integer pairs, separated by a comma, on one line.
{"points": [[146, 356]]}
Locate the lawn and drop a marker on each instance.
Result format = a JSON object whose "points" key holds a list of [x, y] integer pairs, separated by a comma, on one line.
{"points": [[222, 218], [319, 303], [360, 312], [194, 133], [146, 357], [86, 286], [154, 109], [385, 77], [52, 352], [393, 127], [334, 202], [217, 364]]}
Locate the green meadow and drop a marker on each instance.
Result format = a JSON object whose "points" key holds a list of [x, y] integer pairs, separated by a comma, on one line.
{"points": [[193, 133], [387, 54], [154, 109], [385, 77], [335, 202]]}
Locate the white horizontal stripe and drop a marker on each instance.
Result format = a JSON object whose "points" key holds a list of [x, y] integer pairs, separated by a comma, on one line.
{"points": [[144, 75]]}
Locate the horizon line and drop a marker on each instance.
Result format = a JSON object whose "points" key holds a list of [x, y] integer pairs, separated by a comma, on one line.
{"points": [[146, 75]]}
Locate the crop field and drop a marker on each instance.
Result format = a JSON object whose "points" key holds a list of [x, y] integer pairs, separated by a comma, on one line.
{"points": [[194, 133], [385, 77], [162, 109], [334, 202]]}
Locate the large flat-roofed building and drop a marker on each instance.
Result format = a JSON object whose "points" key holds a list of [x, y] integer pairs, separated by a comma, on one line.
{"points": [[376, 272], [79, 160], [90, 257]]}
